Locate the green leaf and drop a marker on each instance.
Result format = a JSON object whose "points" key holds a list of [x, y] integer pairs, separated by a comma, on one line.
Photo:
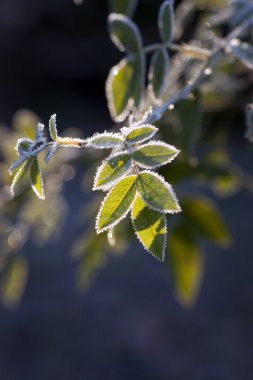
{"points": [[124, 33], [112, 170], [189, 113], [124, 87], [158, 74], [203, 215], [157, 193], [105, 140], [126, 7], [13, 281], [154, 154], [242, 51], [116, 204], [186, 265], [136, 135], [52, 128], [166, 20], [19, 174], [36, 179], [150, 228]]}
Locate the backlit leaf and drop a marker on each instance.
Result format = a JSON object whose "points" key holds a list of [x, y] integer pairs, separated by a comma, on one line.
{"points": [[166, 20], [124, 87], [53, 128], [105, 140], [205, 218], [20, 173], [154, 154], [116, 204], [158, 74], [157, 193], [36, 179], [139, 134], [124, 33], [112, 170], [186, 265], [126, 7], [150, 228]]}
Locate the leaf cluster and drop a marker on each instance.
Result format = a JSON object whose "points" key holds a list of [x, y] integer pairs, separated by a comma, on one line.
{"points": [[128, 176]]}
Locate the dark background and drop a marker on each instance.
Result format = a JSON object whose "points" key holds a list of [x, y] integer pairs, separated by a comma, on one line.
{"points": [[54, 57]]}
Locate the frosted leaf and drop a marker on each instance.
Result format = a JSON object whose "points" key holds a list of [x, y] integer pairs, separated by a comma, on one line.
{"points": [[20, 173], [150, 228], [34, 150], [166, 20], [157, 193], [124, 33], [154, 154], [116, 204], [106, 140], [125, 86], [53, 128], [139, 134], [158, 74], [28, 148], [112, 170], [36, 179]]}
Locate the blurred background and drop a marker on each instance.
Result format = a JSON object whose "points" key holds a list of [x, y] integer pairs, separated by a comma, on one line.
{"points": [[54, 58]]}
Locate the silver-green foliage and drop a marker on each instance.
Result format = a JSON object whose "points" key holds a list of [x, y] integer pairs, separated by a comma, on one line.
{"points": [[130, 188], [128, 173], [145, 193]]}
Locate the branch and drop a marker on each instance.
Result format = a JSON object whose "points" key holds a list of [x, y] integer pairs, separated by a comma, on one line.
{"points": [[213, 60]]}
